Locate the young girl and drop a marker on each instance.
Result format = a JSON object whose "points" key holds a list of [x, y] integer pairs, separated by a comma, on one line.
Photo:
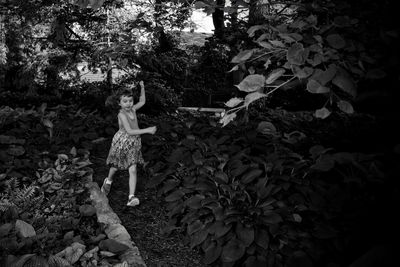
{"points": [[125, 152]]}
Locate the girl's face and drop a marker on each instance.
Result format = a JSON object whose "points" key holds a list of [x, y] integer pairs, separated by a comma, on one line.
{"points": [[126, 102]]}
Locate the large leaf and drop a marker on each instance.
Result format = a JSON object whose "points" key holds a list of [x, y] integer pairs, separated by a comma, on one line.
{"points": [[323, 77], [322, 113], [271, 218], [344, 82], [233, 102], [274, 75], [253, 97], [198, 238], [316, 88], [194, 227], [221, 177], [212, 253], [227, 118], [336, 41], [245, 234], [262, 238], [251, 83], [345, 106], [232, 251], [242, 56], [296, 54], [177, 194], [251, 175], [219, 228], [195, 201], [302, 73], [251, 31]]}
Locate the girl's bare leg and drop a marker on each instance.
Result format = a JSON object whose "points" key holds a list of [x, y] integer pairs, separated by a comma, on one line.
{"points": [[111, 173], [132, 179]]}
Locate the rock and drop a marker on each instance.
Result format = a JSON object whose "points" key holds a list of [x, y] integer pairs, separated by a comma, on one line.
{"points": [[97, 238], [87, 210], [113, 246], [24, 229], [69, 235]]}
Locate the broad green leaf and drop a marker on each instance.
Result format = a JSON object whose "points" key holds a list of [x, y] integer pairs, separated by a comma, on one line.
{"points": [[274, 75], [177, 194], [277, 43], [341, 21], [266, 127], [242, 56], [253, 97], [232, 251], [195, 201], [336, 41], [198, 238], [251, 31], [323, 163], [287, 38], [212, 253], [343, 81], [245, 234], [302, 73], [227, 118], [251, 175], [375, 74], [322, 113], [219, 228], [298, 24], [265, 45], [233, 102], [197, 158], [252, 83], [296, 36], [194, 227], [323, 77], [316, 88], [345, 106], [262, 238], [221, 177], [296, 54], [262, 38], [236, 67], [271, 218]]}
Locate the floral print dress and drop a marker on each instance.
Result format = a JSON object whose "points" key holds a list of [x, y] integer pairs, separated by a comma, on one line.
{"points": [[125, 149]]}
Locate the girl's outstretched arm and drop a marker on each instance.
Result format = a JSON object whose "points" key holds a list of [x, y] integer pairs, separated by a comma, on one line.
{"points": [[124, 120], [142, 99]]}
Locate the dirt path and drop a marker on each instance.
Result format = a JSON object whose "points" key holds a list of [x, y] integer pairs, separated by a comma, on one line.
{"points": [[144, 223]]}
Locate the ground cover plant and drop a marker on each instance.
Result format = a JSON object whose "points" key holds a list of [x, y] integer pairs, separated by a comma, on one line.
{"points": [[47, 216]]}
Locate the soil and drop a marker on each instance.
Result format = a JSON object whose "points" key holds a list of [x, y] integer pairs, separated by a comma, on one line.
{"points": [[144, 223]]}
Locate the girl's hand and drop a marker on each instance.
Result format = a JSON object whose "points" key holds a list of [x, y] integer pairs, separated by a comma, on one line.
{"points": [[141, 84], [152, 130]]}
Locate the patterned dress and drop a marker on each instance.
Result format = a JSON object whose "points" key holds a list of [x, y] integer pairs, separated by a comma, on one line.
{"points": [[125, 149]]}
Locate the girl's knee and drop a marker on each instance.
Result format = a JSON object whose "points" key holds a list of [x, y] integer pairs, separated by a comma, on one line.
{"points": [[132, 168]]}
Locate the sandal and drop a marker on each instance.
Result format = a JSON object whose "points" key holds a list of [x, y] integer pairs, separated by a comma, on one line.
{"points": [[105, 188], [133, 201]]}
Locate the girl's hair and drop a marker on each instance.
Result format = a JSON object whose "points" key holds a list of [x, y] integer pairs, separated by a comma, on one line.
{"points": [[123, 92]]}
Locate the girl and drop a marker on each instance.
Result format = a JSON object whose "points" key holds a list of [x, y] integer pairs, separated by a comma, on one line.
{"points": [[125, 152]]}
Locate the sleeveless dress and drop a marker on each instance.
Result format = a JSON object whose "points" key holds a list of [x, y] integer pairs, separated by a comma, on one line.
{"points": [[125, 149]]}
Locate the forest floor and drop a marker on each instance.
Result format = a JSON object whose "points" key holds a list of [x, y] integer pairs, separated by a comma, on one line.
{"points": [[145, 222]]}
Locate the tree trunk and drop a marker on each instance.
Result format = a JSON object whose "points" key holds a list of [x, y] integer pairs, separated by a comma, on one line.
{"points": [[257, 10], [218, 19]]}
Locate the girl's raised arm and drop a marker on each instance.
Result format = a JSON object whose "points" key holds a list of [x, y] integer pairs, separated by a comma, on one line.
{"points": [[142, 99], [127, 127]]}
